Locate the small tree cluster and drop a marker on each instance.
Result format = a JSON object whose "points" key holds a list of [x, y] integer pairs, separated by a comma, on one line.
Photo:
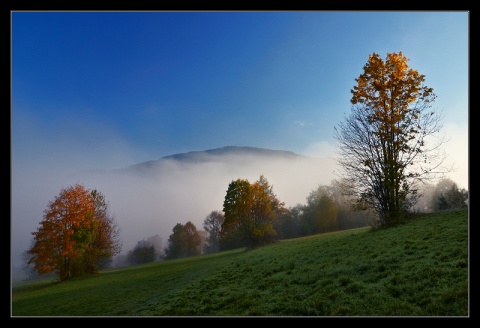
{"points": [[326, 209], [447, 196]]}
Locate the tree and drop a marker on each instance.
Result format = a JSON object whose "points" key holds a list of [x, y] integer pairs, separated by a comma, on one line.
{"points": [[105, 243], [347, 216], [75, 234], [185, 241], [383, 146], [289, 223], [193, 239], [320, 214], [144, 252], [213, 225], [235, 209], [446, 196], [249, 210]]}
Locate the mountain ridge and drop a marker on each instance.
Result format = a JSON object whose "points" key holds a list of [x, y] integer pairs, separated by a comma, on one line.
{"points": [[232, 150], [217, 154]]}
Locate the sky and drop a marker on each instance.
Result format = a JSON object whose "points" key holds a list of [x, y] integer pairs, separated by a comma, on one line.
{"points": [[106, 90]]}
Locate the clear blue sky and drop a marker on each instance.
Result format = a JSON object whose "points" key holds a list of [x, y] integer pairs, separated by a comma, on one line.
{"points": [[103, 90], [124, 87]]}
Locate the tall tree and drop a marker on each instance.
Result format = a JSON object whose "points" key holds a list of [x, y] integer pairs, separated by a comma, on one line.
{"points": [[383, 148]]}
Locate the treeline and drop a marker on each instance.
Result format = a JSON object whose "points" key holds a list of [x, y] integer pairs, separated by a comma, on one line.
{"points": [[78, 235], [253, 216]]}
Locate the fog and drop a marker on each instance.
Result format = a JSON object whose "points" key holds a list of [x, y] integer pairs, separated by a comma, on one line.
{"points": [[152, 201]]}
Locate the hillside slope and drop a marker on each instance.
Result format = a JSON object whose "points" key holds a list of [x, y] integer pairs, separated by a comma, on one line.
{"points": [[417, 269]]}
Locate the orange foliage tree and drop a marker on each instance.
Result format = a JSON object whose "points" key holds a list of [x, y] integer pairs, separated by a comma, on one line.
{"points": [[249, 213], [75, 233], [383, 148]]}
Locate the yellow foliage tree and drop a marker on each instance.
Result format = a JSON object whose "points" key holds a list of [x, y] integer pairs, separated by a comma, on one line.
{"points": [[383, 148], [249, 213]]}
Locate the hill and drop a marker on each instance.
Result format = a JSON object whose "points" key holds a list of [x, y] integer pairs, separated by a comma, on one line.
{"points": [[227, 155], [418, 269]]}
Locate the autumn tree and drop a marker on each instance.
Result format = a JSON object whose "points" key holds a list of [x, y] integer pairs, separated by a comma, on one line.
{"points": [[249, 210], [105, 243], [383, 142], [185, 241], [235, 210], [276, 205], [213, 225], [75, 234]]}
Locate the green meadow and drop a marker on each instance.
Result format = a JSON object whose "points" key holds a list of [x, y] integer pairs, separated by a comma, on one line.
{"points": [[420, 268]]}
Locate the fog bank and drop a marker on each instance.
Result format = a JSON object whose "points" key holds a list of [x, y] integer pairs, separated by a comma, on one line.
{"points": [[152, 200]]}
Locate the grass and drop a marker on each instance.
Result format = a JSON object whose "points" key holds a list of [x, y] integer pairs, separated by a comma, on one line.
{"points": [[420, 268]]}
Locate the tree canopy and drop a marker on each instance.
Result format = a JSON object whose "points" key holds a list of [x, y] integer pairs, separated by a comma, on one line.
{"points": [[75, 235], [383, 142], [185, 241], [320, 212], [144, 252], [249, 210]]}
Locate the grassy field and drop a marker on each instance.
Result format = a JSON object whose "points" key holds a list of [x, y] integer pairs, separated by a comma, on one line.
{"points": [[420, 268]]}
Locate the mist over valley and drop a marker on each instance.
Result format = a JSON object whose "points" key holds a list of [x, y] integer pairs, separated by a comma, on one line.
{"points": [[151, 197]]}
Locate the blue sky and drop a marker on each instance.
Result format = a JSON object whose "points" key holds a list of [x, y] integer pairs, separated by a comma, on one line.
{"points": [[118, 88], [103, 90]]}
